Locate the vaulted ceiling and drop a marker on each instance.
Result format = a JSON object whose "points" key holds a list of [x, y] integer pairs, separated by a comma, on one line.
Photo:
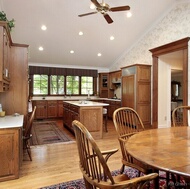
{"points": [[64, 25]]}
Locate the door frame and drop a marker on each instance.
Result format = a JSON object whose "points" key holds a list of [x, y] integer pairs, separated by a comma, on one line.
{"points": [[165, 49]]}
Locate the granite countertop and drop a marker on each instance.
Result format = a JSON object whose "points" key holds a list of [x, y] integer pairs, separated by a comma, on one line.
{"points": [[86, 103], [11, 121]]}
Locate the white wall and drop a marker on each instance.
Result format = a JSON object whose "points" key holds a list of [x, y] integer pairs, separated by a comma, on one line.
{"points": [[164, 94], [172, 27]]}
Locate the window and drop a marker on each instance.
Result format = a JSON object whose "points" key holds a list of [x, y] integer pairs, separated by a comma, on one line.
{"points": [[56, 85], [72, 87], [86, 85], [40, 85]]}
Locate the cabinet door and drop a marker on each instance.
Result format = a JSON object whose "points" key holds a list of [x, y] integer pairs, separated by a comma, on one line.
{"points": [[6, 56], [52, 109], [41, 109], [9, 153], [128, 91], [60, 108]]}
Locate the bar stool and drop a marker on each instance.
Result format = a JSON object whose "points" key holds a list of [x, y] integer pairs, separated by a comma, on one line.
{"points": [[105, 118]]}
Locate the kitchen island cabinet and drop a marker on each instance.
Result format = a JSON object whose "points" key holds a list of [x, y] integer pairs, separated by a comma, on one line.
{"points": [[87, 112], [10, 146]]}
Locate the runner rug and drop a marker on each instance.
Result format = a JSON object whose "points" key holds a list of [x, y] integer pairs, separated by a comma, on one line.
{"points": [[79, 183], [48, 132]]}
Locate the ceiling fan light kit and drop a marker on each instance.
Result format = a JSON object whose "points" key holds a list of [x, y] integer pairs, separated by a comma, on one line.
{"points": [[103, 8]]}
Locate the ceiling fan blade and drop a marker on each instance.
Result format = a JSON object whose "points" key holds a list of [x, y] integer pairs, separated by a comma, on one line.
{"points": [[96, 3], [87, 14], [108, 18], [123, 8]]}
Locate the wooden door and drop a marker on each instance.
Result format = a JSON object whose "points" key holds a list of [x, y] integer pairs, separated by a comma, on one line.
{"points": [[128, 91]]}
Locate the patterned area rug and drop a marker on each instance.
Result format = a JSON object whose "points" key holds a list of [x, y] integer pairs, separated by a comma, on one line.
{"points": [[79, 183], [47, 132]]}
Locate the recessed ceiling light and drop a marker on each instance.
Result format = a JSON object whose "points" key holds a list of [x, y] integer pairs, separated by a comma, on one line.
{"points": [[92, 6], [129, 14], [99, 54], [111, 38], [41, 48], [44, 27], [71, 51], [80, 33]]}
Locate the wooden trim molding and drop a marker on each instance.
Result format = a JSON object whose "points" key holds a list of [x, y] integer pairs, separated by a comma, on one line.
{"points": [[156, 52]]}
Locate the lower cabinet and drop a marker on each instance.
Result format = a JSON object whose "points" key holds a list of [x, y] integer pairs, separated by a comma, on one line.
{"points": [[70, 113], [10, 153], [51, 108], [48, 109]]}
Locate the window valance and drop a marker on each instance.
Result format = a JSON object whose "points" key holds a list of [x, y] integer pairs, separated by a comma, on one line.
{"points": [[62, 71]]}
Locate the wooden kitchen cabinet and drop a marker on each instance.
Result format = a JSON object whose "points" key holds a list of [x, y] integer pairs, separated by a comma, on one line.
{"points": [[5, 45], [10, 153], [103, 85], [60, 108], [136, 90], [41, 109], [70, 113], [52, 109]]}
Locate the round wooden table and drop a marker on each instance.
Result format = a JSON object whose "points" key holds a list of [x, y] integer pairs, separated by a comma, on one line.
{"points": [[165, 149]]}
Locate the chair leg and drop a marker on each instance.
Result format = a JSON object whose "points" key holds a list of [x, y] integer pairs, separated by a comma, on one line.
{"points": [[105, 117], [122, 168], [27, 147]]}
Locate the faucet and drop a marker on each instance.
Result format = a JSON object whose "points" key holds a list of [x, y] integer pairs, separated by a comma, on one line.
{"points": [[88, 97]]}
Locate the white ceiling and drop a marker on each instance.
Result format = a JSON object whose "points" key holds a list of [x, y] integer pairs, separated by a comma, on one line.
{"points": [[63, 26]]}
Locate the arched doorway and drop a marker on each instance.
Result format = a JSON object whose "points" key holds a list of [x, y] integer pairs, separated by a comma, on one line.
{"points": [[156, 52]]}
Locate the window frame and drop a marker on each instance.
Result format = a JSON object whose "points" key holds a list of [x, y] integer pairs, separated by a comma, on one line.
{"points": [[31, 80]]}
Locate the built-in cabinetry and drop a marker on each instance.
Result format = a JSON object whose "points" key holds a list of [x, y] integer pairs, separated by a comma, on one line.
{"points": [[48, 108], [103, 85], [10, 147], [108, 82], [5, 46], [13, 74], [136, 90]]}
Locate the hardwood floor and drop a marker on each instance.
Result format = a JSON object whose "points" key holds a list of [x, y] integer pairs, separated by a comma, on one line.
{"points": [[56, 163]]}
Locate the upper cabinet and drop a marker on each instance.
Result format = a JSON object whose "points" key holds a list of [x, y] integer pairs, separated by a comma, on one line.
{"points": [[5, 48], [114, 79], [103, 85]]}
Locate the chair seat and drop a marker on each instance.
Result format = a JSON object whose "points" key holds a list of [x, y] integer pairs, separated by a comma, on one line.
{"points": [[120, 178]]}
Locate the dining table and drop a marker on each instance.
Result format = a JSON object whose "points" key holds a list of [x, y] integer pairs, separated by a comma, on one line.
{"points": [[165, 149]]}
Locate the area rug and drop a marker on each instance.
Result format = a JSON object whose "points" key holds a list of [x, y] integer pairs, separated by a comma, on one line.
{"points": [[47, 132], [79, 183]]}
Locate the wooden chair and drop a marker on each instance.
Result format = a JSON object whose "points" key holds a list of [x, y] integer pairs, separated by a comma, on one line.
{"points": [[93, 164], [127, 122], [27, 134], [180, 116]]}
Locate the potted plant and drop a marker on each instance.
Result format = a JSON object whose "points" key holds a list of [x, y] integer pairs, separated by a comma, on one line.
{"points": [[3, 17]]}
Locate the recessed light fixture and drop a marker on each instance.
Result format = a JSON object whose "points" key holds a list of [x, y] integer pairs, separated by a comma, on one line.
{"points": [[71, 51], [80, 33], [92, 6], [112, 38], [129, 14], [99, 54], [44, 27], [41, 48]]}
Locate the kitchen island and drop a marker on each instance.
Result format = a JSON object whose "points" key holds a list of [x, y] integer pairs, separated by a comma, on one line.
{"points": [[87, 112]]}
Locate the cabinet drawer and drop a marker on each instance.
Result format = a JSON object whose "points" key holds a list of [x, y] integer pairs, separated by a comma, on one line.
{"points": [[40, 102], [52, 102], [74, 108]]}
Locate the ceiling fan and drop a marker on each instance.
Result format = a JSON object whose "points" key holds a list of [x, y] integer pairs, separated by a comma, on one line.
{"points": [[103, 8]]}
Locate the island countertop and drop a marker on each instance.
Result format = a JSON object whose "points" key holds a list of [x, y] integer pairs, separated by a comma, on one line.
{"points": [[83, 103], [11, 121]]}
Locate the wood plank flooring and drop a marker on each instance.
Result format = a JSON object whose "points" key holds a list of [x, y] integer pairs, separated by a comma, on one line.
{"points": [[56, 163]]}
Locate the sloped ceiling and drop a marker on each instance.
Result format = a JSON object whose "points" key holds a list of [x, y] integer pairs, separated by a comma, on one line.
{"points": [[63, 26]]}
